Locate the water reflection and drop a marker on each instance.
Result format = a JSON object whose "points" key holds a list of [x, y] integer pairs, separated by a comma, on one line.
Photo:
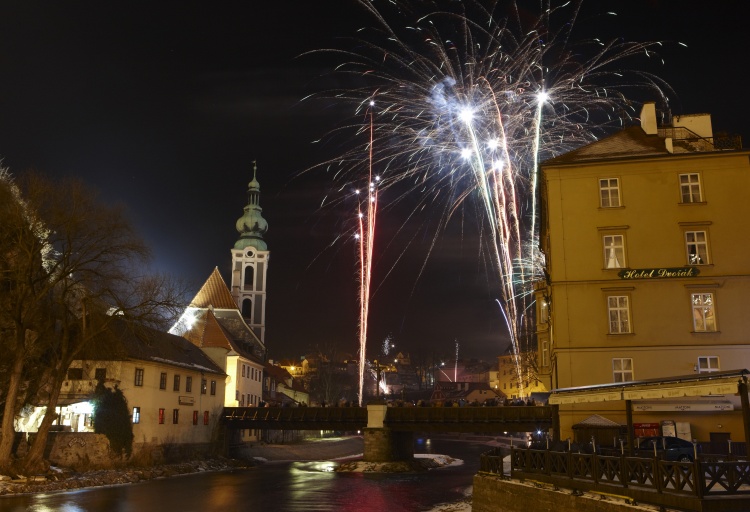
{"points": [[298, 486]]}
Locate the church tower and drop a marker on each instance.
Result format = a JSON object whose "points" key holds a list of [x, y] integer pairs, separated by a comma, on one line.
{"points": [[250, 262]]}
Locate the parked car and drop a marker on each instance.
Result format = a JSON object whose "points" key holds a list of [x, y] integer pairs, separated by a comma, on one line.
{"points": [[667, 447]]}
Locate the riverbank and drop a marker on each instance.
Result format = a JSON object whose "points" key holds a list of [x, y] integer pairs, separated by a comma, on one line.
{"points": [[64, 479]]}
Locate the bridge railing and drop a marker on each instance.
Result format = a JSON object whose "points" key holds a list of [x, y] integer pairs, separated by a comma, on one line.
{"points": [[681, 485], [481, 418], [302, 418]]}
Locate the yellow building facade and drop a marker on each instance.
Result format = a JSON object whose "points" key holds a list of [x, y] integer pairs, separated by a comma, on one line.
{"points": [[645, 238]]}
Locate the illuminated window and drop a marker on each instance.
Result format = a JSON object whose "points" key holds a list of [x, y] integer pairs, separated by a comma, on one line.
{"points": [[690, 188], [175, 416], [614, 251], [203, 386], [696, 243], [139, 376], [161, 416], [708, 364], [176, 383], [622, 369], [136, 414], [188, 384], [163, 381], [609, 192], [618, 310], [704, 317]]}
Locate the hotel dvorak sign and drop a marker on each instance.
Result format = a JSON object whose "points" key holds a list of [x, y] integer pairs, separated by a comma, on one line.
{"points": [[657, 273]]}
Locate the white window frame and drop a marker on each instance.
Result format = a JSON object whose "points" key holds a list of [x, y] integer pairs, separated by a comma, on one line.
{"points": [[703, 306], [691, 190], [708, 364], [545, 353], [696, 247], [614, 251], [609, 193], [622, 369], [618, 314]]}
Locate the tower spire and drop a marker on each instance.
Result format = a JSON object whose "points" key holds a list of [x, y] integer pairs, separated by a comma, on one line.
{"points": [[252, 226]]}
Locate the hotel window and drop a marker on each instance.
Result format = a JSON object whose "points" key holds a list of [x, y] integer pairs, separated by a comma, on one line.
{"points": [[704, 314], [161, 416], [614, 251], [243, 370], [213, 387], [136, 414], [618, 311], [176, 383], [188, 384], [139, 376], [203, 386], [690, 188], [609, 192], [708, 364], [163, 381], [175, 416], [696, 243], [205, 417], [622, 369], [195, 417]]}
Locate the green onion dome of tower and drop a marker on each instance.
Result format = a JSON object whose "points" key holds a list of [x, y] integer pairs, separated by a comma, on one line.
{"points": [[252, 226]]}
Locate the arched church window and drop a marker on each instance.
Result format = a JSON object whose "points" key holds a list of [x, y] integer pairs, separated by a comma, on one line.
{"points": [[249, 277]]}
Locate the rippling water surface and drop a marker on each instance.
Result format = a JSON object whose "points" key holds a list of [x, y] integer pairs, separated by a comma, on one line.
{"points": [[297, 486]]}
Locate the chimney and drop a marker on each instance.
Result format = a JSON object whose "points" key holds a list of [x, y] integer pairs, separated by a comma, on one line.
{"points": [[648, 118]]}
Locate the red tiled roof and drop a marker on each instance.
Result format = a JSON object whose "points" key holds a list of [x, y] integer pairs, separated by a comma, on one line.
{"points": [[215, 293]]}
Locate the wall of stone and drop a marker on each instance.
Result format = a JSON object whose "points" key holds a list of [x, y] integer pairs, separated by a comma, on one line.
{"points": [[517, 497], [78, 450], [386, 445]]}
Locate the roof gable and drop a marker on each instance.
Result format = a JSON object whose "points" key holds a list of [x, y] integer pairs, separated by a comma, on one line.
{"points": [[214, 293]]}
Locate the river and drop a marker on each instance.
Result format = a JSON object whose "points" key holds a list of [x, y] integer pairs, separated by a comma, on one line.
{"points": [[279, 486]]}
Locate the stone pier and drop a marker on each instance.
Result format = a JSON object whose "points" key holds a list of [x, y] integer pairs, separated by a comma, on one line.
{"points": [[383, 444]]}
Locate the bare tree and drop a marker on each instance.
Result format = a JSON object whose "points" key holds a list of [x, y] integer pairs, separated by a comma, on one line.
{"points": [[73, 263]]}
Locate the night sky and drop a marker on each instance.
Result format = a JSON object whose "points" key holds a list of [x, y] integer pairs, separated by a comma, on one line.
{"points": [[164, 106]]}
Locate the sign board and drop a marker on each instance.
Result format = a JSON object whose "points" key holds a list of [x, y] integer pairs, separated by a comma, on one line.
{"points": [[187, 400], [657, 273]]}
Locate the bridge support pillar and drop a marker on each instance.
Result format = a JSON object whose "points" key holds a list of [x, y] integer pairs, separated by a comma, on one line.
{"points": [[387, 445], [383, 444]]}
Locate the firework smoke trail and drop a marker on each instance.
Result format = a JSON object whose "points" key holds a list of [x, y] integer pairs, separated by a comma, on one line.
{"points": [[471, 99], [366, 217]]}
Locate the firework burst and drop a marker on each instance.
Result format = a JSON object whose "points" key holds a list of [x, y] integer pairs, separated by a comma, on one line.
{"points": [[470, 100]]}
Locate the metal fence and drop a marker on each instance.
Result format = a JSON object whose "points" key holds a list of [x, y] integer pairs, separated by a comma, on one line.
{"points": [[680, 485]]}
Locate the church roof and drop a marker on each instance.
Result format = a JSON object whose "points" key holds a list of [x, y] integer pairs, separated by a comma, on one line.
{"points": [[214, 293]]}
